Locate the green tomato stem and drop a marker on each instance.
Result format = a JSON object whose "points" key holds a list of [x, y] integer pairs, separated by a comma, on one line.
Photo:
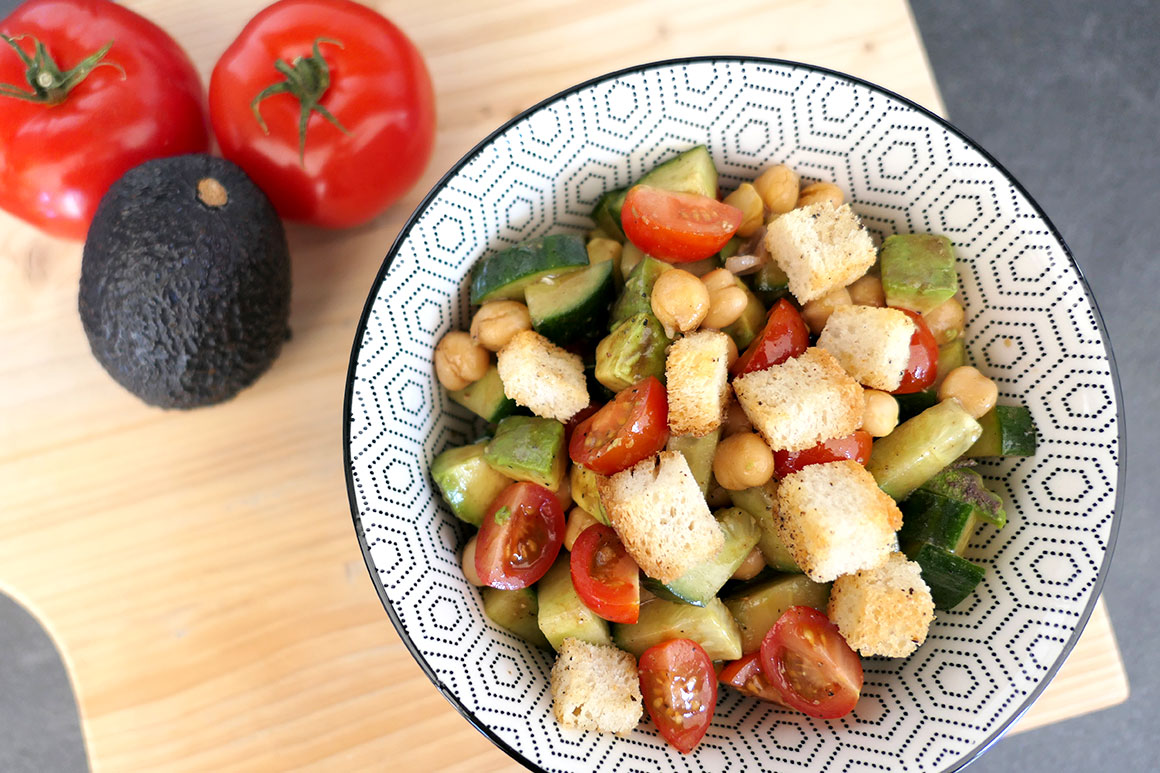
{"points": [[51, 86]]}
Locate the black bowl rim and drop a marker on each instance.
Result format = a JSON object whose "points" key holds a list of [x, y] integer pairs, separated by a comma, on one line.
{"points": [[1121, 440]]}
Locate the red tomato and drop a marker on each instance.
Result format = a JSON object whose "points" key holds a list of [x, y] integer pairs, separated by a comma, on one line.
{"points": [[61, 149], [631, 428], [923, 367], [574, 422], [785, 335], [604, 575], [364, 97], [679, 688], [677, 227], [806, 659], [746, 676], [520, 537], [855, 446]]}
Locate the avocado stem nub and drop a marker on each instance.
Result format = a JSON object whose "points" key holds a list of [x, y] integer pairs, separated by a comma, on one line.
{"points": [[211, 192]]}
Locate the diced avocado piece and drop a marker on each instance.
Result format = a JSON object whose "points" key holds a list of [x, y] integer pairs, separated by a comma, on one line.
{"points": [[529, 448], [634, 350], [571, 307], [690, 172], [965, 485], [562, 613], [1007, 431], [770, 283], [636, 298], [517, 611], [939, 520], [760, 502], [485, 398], [711, 626], [950, 356], [631, 256], [606, 214], [910, 405], [505, 274], [468, 484], [918, 271], [699, 453], [757, 608], [699, 585], [751, 321], [919, 448], [586, 493], [951, 578]]}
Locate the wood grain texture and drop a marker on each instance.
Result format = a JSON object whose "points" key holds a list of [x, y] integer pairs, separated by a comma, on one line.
{"points": [[199, 570]]}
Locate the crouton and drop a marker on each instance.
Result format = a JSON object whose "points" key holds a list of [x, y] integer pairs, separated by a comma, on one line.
{"points": [[543, 377], [835, 520], [820, 248], [885, 611], [697, 372], [661, 516], [595, 687], [872, 344], [802, 401]]}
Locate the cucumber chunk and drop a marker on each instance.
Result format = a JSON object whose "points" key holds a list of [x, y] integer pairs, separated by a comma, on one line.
{"points": [[517, 611], [562, 614], [919, 448], [910, 405], [938, 520], [759, 607], [699, 585], [711, 626], [468, 484], [1007, 431], [951, 578], [761, 503], [699, 453], [586, 492], [950, 356], [485, 398], [636, 297], [529, 448], [918, 271], [606, 214], [690, 172], [564, 309], [505, 274], [965, 485], [770, 283]]}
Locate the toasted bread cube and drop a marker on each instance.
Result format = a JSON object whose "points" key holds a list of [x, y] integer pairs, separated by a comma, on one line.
{"points": [[697, 372], [802, 401], [820, 248], [595, 687], [872, 344], [884, 611], [543, 377], [835, 520], [661, 516]]}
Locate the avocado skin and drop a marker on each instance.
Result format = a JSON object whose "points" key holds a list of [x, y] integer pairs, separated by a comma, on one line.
{"points": [[185, 304]]}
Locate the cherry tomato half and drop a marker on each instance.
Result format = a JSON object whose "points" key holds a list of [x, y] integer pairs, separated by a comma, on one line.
{"points": [[630, 428], [855, 446], [806, 659], [604, 575], [679, 688], [677, 227], [923, 367], [746, 677], [785, 335], [519, 537]]}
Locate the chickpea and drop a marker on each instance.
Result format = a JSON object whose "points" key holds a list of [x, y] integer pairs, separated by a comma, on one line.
{"points": [[496, 322], [974, 391], [751, 566], [880, 414], [468, 562], [735, 420], [742, 461], [816, 193], [817, 312], [719, 279], [778, 187], [630, 257], [602, 249], [680, 301], [725, 307], [867, 291], [748, 200], [459, 362], [946, 321], [578, 521]]}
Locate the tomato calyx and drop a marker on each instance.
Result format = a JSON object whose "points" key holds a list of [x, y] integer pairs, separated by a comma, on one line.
{"points": [[307, 79], [51, 85]]}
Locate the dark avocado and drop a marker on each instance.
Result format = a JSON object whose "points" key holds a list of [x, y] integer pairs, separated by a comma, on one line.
{"points": [[185, 282]]}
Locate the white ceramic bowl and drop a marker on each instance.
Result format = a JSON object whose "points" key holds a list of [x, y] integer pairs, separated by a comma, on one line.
{"points": [[1032, 326]]}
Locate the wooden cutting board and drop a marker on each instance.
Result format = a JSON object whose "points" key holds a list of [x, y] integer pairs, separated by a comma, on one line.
{"points": [[199, 570]]}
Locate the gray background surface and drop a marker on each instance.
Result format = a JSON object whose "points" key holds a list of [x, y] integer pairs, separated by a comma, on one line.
{"points": [[1065, 94]]}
